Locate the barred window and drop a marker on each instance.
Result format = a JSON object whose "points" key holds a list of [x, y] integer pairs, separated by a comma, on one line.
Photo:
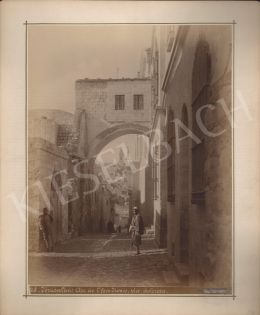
{"points": [[171, 157], [156, 173], [119, 102], [138, 102], [200, 84]]}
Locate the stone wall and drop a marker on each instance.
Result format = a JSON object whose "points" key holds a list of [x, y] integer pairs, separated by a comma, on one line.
{"points": [[59, 116], [128, 88], [76, 210], [160, 202], [97, 97], [43, 128], [210, 225], [55, 126], [91, 96], [43, 159], [107, 214], [147, 207], [97, 212], [142, 184], [135, 187], [64, 132]]}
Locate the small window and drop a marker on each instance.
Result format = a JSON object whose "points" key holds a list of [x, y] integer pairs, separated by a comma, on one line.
{"points": [[138, 102], [119, 102]]}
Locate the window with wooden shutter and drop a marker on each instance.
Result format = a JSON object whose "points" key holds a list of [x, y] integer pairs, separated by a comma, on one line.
{"points": [[200, 84], [119, 102], [138, 102]]}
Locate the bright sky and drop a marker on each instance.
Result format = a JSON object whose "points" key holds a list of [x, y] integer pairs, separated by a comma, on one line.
{"points": [[60, 55]]}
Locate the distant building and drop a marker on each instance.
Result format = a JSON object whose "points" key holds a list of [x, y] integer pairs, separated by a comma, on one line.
{"points": [[145, 63]]}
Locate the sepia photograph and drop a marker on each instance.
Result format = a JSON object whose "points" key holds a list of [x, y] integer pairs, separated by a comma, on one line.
{"points": [[130, 159]]}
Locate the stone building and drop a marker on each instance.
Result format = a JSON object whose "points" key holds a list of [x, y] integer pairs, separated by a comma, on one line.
{"points": [[112, 108], [145, 185], [63, 148], [191, 68], [50, 179]]}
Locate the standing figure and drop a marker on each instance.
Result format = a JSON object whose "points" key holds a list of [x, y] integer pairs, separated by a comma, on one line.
{"points": [[45, 225], [137, 229]]}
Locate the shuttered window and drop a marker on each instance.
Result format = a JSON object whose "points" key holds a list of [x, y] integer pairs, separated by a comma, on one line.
{"points": [[119, 102], [138, 102]]}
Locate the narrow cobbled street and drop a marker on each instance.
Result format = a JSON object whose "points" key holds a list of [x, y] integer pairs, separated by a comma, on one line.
{"points": [[103, 260]]}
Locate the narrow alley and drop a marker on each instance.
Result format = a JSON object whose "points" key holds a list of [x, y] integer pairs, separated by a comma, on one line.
{"points": [[138, 141]]}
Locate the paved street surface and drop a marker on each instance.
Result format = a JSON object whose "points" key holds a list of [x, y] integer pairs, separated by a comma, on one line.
{"points": [[101, 260]]}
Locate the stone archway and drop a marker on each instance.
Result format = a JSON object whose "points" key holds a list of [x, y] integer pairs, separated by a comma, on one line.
{"points": [[90, 198], [110, 134]]}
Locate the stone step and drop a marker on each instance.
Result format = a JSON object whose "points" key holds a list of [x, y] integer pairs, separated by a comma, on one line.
{"points": [[171, 278], [149, 230], [101, 254], [182, 272]]}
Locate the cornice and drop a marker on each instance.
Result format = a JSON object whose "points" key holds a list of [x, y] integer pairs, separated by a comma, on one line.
{"points": [[177, 48]]}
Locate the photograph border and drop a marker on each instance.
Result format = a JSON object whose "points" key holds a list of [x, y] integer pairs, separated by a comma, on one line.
{"points": [[26, 24]]}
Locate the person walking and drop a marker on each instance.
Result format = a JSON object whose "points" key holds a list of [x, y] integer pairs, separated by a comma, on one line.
{"points": [[136, 229], [45, 225]]}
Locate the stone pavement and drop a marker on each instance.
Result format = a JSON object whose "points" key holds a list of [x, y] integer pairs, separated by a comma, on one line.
{"points": [[101, 260]]}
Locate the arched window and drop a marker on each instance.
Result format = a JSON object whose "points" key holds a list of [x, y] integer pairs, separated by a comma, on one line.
{"points": [[200, 86], [171, 157]]}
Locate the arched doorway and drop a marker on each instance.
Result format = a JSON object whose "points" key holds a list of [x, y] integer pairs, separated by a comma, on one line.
{"points": [[112, 133]]}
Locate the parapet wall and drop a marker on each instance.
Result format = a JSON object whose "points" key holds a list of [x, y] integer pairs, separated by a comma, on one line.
{"points": [[43, 128], [59, 116]]}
